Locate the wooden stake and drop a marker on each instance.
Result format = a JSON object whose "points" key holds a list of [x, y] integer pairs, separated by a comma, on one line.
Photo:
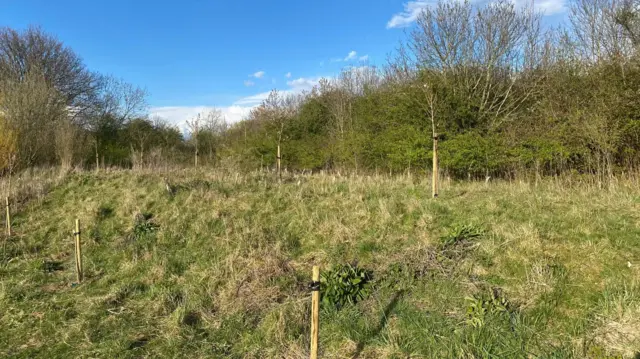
{"points": [[8, 218], [315, 312], [97, 158], [435, 166], [278, 163], [78, 252]]}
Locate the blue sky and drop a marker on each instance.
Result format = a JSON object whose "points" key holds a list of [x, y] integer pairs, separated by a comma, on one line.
{"points": [[191, 55]]}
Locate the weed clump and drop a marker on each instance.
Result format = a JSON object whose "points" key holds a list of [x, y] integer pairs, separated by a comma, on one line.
{"points": [[461, 236], [144, 226], [479, 308], [345, 284]]}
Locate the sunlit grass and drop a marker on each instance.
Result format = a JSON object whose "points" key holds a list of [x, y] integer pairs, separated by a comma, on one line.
{"points": [[218, 267]]}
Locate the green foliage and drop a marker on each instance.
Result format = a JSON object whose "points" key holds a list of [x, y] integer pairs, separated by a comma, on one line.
{"points": [[461, 234], [144, 226], [480, 308], [345, 284]]}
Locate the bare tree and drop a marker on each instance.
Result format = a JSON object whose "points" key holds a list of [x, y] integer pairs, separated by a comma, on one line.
{"points": [[479, 53], [32, 109], [22, 53], [605, 29], [194, 129], [139, 131], [66, 136], [211, 132], [116, 103], [628, 17], [8, 147]]}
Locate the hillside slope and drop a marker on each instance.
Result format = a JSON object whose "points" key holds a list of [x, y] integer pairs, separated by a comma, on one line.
{"points": [[220, 267]]}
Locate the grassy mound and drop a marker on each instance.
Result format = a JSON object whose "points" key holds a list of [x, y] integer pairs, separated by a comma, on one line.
{"points": [[212, 264]]}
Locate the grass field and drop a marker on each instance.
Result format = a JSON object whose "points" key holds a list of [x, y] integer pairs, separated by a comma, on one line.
{"points": [[220, 267]]}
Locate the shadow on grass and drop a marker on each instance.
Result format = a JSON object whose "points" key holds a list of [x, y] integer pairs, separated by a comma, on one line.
{"points": [[381, 325]]}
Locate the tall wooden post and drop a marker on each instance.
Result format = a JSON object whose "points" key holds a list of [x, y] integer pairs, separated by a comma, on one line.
{"points": [[8, 217], [76, 234], [434, 181], [315, 312], [278, 164]]}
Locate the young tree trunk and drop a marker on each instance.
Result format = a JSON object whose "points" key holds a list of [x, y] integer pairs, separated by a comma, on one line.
{"points": [[97, 158], [435, 166]]}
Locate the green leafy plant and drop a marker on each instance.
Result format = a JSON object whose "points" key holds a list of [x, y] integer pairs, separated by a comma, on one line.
{"points": [[143, 226], [478, 308], [345, 284], [461, 234]]}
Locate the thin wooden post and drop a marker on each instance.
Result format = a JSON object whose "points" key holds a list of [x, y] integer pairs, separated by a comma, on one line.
{"points": [[435, 166], [97, 158], [8, 217], [278, 163], [315, 312], [76, 234]]}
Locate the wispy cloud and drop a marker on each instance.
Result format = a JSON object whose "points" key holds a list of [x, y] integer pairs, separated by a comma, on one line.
{"points": [[412, 10], [364, 58], [253, 100], [249, 83], [550, 7], [288, 75], [352, 55], [258, 75]]}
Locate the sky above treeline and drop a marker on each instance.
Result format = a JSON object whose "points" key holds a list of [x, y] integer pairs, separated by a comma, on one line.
{"points": [[192, 55]]}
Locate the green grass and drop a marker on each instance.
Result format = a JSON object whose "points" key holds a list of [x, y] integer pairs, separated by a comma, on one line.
{"points": [[220, 268]]}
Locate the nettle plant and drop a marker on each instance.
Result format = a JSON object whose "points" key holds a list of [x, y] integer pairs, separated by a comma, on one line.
{"points": [[345, 284]]}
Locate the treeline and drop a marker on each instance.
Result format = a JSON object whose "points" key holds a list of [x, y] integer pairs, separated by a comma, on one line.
{"points": [[504, 95], [54, 111]]}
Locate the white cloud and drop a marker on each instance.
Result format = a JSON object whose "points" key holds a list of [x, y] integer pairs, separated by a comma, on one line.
{"points": [[550, 7], [364, 58], [412, 10], [288, 75], [249, 83], [240, 109], [258, 75], [179, 115], [352, 55], [303, 83]]}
